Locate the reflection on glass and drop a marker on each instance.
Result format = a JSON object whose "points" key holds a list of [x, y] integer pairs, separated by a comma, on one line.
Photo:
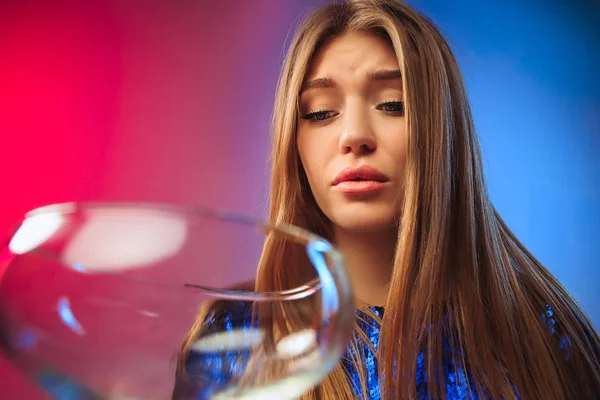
{"points": [[114, 301]]}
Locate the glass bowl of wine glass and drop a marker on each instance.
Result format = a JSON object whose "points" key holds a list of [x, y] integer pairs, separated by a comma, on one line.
{"points": [[156, 301]]}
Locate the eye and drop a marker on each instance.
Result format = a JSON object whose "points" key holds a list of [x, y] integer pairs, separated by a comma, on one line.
{"points": [[321, 115], [392, 107]]}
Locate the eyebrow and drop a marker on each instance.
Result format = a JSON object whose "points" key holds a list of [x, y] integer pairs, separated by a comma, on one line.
{"points": [[327, 83]]}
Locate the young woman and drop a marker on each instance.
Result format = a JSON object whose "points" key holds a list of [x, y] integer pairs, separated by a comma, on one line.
{"points": [[375, 149]]}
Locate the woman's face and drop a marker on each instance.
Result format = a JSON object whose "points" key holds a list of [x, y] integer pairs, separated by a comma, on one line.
{"points": [[351, 132]]}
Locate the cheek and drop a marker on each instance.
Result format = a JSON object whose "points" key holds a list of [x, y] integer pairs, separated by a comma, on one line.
{"points": [[397, 144], [307, 158], [314, 155]]}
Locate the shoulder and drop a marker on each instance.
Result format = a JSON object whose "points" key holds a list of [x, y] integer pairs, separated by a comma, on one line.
{"points": [[208, 356], [556, 329], [223, 315]]}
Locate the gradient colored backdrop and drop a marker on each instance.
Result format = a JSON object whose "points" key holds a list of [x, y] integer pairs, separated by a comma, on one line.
{"points": [[170, 101]]}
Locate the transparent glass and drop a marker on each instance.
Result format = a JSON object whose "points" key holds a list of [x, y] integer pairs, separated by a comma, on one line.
{"points": [[142, 301]]}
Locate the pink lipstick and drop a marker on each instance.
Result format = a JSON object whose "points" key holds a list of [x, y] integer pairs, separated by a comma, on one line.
{"points": [[359, 180]]}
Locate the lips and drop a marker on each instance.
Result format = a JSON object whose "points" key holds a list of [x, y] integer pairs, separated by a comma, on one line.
{"points": [[360, 181], [359, 174]]}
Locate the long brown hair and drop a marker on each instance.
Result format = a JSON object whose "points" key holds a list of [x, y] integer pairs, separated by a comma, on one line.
{"points": [[459, 272]]}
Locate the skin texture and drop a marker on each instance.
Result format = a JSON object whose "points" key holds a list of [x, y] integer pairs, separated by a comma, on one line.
{"points": [[350, 115]]}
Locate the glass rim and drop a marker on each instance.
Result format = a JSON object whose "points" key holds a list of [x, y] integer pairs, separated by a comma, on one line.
{"points": [[299, 235]]}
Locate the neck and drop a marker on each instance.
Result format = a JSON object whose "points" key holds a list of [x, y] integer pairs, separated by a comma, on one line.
{"points": [[369, 260]]}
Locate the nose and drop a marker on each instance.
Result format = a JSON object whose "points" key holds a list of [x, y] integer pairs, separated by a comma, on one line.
{"points": [[357, 134]]}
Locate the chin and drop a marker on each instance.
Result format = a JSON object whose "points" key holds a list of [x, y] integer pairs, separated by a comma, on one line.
{"points": [[364, 219]]}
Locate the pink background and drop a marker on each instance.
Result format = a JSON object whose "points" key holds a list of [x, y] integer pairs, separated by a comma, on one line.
{"points": [[136, 101]]}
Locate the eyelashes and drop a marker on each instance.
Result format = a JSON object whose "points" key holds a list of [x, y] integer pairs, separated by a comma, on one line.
{"points": [[319, 115], [392, 108]]}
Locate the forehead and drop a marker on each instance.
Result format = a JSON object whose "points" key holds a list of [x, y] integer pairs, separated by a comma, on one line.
{"points": [[352, 53]]}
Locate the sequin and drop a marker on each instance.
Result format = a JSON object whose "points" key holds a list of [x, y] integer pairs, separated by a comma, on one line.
{"points": [[456, 380], [216, 372]]}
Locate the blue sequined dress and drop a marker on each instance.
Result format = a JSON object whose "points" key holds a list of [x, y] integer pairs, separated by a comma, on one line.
{"points": [[206, 374], [456, 379]]}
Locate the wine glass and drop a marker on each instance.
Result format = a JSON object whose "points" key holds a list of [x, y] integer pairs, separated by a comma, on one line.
{"points": [[148, 301]]}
